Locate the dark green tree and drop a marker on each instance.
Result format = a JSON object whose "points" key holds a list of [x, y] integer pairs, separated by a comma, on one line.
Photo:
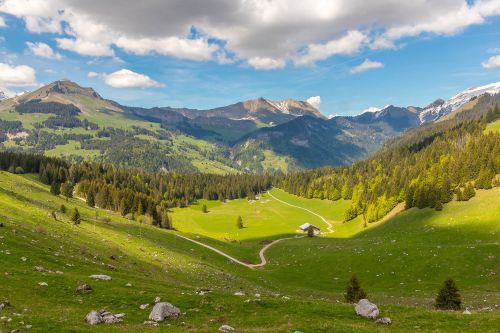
{"points": [[310, 232], [67, 190], [354, 292], [62, 209], [75, 216], [55, 188], [239, 223], [204, 209], [448, 297]]}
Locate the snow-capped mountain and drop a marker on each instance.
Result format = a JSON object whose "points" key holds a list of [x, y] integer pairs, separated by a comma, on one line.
{"points": [[440, 108], [3, 96]]}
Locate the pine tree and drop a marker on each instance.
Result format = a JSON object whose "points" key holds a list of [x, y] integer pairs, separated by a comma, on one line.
{"points": [[55, 188], [310, 232], [448, 297], [354, 292], [91, 198], [204, 209], [75, 216], [67, 190], [239, 223]]}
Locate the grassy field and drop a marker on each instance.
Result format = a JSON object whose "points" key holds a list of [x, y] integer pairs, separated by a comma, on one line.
{"points": [[493, 127], [401, 264]]}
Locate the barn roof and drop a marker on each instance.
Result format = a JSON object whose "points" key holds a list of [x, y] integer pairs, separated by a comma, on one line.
{"points": [[306, 226]]}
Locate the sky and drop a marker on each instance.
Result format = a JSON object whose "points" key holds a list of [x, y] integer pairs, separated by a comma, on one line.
{"points": [[343, 56]]}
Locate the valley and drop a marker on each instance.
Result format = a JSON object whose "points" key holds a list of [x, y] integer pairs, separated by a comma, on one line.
{"points": [[400, 261]]}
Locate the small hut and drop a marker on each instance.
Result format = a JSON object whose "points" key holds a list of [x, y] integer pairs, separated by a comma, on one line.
{"points": [[306, 226]]}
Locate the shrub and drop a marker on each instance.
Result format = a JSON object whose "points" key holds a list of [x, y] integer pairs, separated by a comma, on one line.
{"points": [[75, 216], [448, 297], [19, 170], [239, 223], [354, 292]]}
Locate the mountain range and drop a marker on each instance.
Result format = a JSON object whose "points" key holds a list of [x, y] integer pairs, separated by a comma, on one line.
{"points": [[63, 118]]}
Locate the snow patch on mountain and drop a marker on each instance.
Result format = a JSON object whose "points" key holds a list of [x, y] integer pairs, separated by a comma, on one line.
{"points": [[283, 106], [441, 108], [371, 109]]}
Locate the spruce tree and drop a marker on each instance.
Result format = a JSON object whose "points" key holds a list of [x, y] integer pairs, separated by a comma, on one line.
{"points": [[75, 216], [91, 198], [354, 292], [55, 188], [448, 297], [239, 223], [67, 190], [204, 209]]}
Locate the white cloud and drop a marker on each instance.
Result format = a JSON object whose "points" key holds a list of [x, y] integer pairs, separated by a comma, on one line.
{"points": [[43, 50], [366, 65], [492, 62], [314, 101], [92, 74], [85, 47], [266, 34], [16, 75], [125, 78], [266, 63], [192, 49], [2, 22], [348, 44]]}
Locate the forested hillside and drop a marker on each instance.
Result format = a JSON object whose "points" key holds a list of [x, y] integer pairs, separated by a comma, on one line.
{"points": [[441, 162]]}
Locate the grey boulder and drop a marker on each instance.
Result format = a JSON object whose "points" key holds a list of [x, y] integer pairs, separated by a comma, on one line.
{"points": [[163, 310], [384, 321], [365, 308]]}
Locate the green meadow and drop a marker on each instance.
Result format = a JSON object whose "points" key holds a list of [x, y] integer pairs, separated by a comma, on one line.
{"points": [[401, 263]]}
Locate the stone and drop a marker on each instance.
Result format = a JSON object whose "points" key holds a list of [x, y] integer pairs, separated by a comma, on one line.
{"points": [[143, 306], [4, 304], [157, 299], [365, 308], [239, 293], [128, 285], [84, 289], [24, 258], [93, 318], [226, 328], [164, 310], [151, 323], [43, 284], [467, 311], [40, 269], [384, 321], [101, 277]]}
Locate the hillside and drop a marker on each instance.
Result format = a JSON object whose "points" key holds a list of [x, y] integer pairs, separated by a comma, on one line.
{"points": [[302, 296]]}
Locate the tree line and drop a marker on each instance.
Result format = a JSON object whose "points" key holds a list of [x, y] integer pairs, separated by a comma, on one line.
{"points": [[133, 192]]}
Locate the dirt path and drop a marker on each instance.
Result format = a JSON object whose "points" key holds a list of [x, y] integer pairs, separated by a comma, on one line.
{"points": [[263, 260], [262, 252], [329, 228]]}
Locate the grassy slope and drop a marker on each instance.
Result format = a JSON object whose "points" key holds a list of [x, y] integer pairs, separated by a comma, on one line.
{"points": [[157, 263]]}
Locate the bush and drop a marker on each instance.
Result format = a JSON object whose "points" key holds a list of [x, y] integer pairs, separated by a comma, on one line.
{"points": [[75, 216], [239, 223], [354, 292], [62, 209], [19, 170], [448, 297]]}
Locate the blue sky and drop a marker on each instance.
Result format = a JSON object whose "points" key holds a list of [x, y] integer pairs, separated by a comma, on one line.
{"points": [[206, 66]]}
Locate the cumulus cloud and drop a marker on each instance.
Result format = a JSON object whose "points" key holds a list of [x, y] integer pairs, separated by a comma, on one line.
{"points": [[314, 101], [266, 34], [492, 62], [16, 75], [260, 63], [366, 65], [348, 44], [92, 74], [125, 78], [43, 50]]}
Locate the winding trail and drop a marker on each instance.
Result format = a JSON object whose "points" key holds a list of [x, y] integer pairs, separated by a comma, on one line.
{"points": [[262, 252], [329, 228], [263, 260]]}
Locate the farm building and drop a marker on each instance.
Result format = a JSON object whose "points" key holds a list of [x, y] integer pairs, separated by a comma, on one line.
{"points": [[305, 227]]}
